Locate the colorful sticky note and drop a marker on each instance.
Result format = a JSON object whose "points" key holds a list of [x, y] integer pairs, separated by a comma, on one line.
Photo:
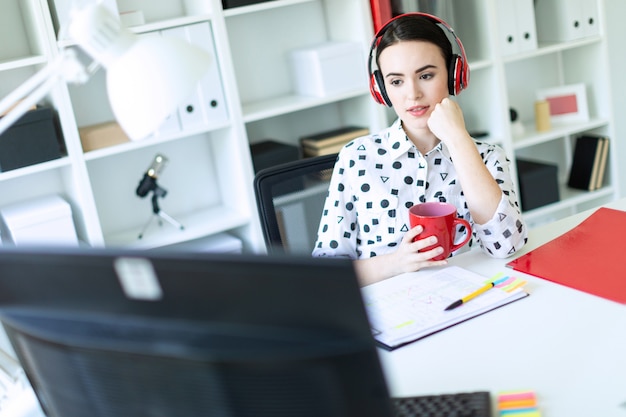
{"points": [[518, 404]]}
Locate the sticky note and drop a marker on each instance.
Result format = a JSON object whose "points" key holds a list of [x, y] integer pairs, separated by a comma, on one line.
{"points": [[518, 404]]}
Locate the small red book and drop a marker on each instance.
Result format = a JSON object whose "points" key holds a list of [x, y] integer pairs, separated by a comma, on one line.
{"points": [[589, 258]]}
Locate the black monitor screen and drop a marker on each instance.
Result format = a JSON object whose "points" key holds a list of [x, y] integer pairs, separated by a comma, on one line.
{"points": [[128, 333]]}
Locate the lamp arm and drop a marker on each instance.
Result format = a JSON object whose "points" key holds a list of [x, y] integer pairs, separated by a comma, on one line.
{"points": [[66, 66]]}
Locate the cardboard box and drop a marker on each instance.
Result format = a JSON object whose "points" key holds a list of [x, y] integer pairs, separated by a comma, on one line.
{"points": [[101, 136], [538, 183], [328, 68], [41, 221], [33, 138]]}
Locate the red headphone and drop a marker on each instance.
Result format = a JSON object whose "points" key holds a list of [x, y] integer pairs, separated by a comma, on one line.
{"points": [[458, 69]]}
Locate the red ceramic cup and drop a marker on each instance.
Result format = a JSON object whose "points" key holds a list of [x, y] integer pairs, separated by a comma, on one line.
{"points": [[439, 219]]}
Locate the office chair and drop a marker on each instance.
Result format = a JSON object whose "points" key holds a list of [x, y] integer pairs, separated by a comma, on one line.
{"points": [[290, 198]]}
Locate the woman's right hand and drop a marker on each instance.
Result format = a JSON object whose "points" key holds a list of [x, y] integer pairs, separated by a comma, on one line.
{"points": [[407, 258]]}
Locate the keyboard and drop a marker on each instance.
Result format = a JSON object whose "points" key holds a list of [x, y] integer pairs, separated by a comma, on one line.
{"points": [[461, 404]]}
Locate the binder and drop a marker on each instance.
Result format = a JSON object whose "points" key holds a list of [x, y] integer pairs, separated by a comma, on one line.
{"points": [[381, 13], [586, 162], [207, 104], [516, 26], [587, 258], [211, 86]]}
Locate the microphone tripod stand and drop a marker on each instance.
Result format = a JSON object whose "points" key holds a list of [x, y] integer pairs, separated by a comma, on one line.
{"points": [[149, 184]]}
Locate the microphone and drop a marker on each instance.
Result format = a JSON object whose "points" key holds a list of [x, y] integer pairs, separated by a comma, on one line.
{"points": [[148, 182]]}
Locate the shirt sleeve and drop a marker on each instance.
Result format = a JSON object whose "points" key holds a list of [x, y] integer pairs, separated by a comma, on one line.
{"points": [[337, 232], [505, 233]]}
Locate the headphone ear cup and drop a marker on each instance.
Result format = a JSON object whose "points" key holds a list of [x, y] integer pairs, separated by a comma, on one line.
{"points": [[457, 76], [377, 88]]}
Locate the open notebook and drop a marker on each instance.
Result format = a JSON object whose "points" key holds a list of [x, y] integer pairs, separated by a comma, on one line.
{"points": [[411, 306]]}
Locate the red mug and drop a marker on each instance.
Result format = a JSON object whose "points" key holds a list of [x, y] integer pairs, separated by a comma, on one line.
{"points": [[439, 219]]}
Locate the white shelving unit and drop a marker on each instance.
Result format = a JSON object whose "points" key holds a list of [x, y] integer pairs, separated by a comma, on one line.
{"points": [[209, 177]]}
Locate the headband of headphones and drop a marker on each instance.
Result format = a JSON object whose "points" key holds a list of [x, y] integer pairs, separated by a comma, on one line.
{"points": [[458, 69]]}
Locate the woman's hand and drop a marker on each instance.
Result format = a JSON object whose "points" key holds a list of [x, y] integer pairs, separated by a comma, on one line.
{"points": [[406, 258], [446, 121]]}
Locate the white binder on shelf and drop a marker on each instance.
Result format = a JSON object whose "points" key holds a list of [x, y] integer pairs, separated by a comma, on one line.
{"points": [[516, 26], [214, 101], [590, 17], [526, 25], [566, 20], [208, 104]]}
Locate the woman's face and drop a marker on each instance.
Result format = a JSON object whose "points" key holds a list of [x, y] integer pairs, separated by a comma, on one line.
{"points": [[416, 79]]}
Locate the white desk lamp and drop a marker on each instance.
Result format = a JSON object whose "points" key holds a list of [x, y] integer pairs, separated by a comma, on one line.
{"points": [[147, 77]]}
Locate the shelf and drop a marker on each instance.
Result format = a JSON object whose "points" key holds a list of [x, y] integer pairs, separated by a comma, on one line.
{"points": [[35, 169], [550, 48], [569, 199], [532, 137], [291, 103], [151, 141], [170, 23], [268, 5], [480, 64], [10, 64], [196, 225]]}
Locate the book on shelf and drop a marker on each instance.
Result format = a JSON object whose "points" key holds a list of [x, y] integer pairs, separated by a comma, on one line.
{"points": [[412, 306], [327, 150], [333, 137], [602, 166], [588, 162]]}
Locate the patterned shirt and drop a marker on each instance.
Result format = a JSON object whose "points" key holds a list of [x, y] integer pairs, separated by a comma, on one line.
{"points": [[378, 177]]}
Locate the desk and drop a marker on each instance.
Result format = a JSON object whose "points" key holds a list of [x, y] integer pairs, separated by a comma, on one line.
{"points": [[566, 345]]}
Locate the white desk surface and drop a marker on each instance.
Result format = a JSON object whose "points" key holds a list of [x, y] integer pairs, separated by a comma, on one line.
{"points": [[567, 346]]}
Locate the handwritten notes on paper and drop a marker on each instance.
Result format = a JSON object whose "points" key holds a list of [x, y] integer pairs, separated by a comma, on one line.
{"points": [[411, 306]]}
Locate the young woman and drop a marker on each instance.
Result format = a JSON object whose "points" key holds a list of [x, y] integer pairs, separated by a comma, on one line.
{"points": [[425, 155]]}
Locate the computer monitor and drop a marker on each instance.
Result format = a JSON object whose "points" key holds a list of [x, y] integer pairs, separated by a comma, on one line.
{"points": [[106, 333]]}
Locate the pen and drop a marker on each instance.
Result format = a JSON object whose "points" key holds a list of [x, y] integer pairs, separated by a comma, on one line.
{"points": [[470, 296]]}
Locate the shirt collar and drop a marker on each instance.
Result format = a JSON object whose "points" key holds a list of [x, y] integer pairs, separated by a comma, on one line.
{"points": [[398, 141], [401, 144]]}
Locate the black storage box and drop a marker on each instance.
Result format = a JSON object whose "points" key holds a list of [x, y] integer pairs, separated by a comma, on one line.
{"points": [[227, 4], [538, 183], [33, 139], [270, 153]]}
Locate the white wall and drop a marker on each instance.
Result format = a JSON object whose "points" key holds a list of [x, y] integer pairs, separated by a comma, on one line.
{"points": [[616, 31]]}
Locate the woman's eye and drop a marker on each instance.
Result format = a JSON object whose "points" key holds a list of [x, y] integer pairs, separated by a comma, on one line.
{"points": [[395, 82], [426, 76]]}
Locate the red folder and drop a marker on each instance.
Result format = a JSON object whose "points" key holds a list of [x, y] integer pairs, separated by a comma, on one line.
{"points": [[381, 13], [589, 258]]}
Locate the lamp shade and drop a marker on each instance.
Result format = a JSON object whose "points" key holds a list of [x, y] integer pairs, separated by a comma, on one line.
{"points": [[147, 77], [148, 82]]}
